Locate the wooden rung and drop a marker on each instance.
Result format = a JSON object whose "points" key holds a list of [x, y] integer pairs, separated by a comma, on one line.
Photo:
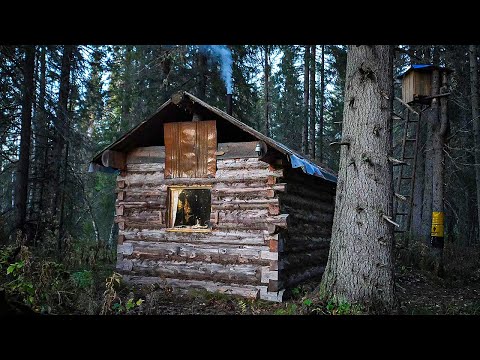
{"points": [[406, 178], [410, 139], [400, 213], [398, 231], [408, 158], [412, 121]]}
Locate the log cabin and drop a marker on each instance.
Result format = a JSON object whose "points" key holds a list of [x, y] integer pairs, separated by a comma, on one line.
{"points": [[205, 201]]}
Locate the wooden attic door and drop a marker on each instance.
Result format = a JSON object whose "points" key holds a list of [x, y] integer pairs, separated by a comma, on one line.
{"points": [[190, 149]]}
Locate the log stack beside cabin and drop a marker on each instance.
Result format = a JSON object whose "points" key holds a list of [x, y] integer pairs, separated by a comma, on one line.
{"points": [[204, 201]]}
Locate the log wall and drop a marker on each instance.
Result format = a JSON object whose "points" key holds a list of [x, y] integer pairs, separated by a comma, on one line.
{"points": [[238, 256], [304, 244]]}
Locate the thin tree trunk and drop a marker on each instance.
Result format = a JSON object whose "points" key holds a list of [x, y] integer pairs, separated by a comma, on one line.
{"points": [[313, 113], [306, 95], [322, 105], [475, 118], [113, 232], [41, 148], [416, 223], [360, 263], [21, 189], [202, 83], [61, 122], [266, 90]]}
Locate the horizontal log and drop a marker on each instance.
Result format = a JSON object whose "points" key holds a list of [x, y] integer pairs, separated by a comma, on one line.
{"points": [[311, 230], [157, 178], [292, 279], [215, 237], [146, 168], [302, 244], [216, 253], [142, 204], [310, 217], [150, 154], [247, 291], [239, 274], [138, 248], [241, 164], [237, 150], [303, 259], [114, 159], [264, 191], [295, 201], [241, 206], [231, 201], [312, 193]]}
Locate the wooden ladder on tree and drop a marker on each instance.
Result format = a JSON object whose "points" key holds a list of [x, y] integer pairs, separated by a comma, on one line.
{"points": [[403, 197]]}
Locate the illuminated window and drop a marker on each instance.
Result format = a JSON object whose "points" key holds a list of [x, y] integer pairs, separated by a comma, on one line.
{"points": [[189, 208]]}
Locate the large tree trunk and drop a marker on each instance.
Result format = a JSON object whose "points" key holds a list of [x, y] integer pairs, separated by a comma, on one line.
{"points": [[360, 263], [431, 116], [438, 176], [322, 105], [306, 95], [313, 114], [21, 189], [475, 118], [266, 71]]}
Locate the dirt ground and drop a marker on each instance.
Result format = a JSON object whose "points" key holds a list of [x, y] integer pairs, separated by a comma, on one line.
{"points": [[418, 292]]}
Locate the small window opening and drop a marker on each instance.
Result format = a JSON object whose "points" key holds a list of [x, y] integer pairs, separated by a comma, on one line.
{"points": [[189, 209]]}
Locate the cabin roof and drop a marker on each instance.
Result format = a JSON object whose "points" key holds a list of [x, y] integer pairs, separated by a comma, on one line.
{"points": [[148, 132], [424, 68]]}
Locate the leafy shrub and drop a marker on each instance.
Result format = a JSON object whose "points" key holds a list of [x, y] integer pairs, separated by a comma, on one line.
{"points": [[82, 279]]}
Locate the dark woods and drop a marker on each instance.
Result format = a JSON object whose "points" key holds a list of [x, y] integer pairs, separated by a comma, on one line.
{"points": [[60, 105]]}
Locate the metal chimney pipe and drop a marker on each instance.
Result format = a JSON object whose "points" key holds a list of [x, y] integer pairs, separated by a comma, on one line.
{"points": [[229, 104]]}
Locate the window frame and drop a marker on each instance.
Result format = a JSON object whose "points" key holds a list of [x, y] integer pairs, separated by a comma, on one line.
{"points": [[169, 212]]}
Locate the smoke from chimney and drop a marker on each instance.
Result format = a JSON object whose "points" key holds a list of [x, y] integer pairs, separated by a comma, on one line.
{"points": [[224, 57]]}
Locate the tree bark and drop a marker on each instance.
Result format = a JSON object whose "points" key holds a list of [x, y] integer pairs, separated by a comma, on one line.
{"points": [[475, 118], [61, 125], [438, 176], [416, 223], [431, 116], [360, 263], [21, 189], [266, 91], [322, 105], [306, 95], [202, 83], [42, 143], [313, 113]]}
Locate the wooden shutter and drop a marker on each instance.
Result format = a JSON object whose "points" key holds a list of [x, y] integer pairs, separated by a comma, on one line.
{"points": [[190, 149]]}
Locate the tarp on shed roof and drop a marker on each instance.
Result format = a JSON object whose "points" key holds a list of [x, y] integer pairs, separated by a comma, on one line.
{"points": [[424, 67]]}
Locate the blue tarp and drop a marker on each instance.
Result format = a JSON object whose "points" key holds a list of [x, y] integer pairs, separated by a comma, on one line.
{"points": [[421, 66], [310, 168]]}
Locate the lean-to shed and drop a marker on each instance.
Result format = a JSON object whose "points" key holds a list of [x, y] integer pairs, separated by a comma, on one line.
{"points": [[205, 201]]}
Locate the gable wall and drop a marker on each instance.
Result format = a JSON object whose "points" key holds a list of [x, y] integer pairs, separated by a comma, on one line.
{"points": [[239, 256]]}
